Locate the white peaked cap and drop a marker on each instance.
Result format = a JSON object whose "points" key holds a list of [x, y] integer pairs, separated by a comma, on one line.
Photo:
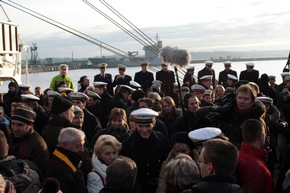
{"points": [[208, 92], [93, 94], [127, 87], [78, 95], [102, 65], [190, 68], [64, 89], [206, 77], [197, 87], [233, 77], [26, 97], [265, 100], [52, 93], [227, 62], [99, 83], [144, 115], [24, 85], [135, 84], [122, 66], [209, 62], [203, 134], [250, 64], [283, 74]]}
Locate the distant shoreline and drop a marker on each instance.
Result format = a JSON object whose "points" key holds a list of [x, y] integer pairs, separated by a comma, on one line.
{"points": [[73, 66]]}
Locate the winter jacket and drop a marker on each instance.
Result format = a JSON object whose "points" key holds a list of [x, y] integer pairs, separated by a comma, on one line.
{"points": [[253, 173], [96, 178]]}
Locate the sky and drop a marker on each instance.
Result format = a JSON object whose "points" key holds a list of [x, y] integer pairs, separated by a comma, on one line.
{"points": [[207, 25]]}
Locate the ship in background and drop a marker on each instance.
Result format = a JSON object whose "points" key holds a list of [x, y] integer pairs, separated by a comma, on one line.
{"points": [[133, 60]]}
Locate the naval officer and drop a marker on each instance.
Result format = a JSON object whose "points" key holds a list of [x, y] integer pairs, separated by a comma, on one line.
{"points": [[104, 77], [250, 74], [148, 148], [122, 78], [144, 77], [207, 70]]}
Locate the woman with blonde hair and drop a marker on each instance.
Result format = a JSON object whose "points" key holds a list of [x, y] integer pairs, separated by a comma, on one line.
{"points": [[219, 91], [106, 150], [181, 174], [180, 143]]}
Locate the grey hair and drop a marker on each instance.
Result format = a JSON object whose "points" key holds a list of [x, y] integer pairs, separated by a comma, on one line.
{"points": [[68, 135]]}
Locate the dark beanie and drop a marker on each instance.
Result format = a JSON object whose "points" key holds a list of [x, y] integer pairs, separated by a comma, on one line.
{"points": [[240, 82], [60, 104], [264, 78], [138, 94], [182, 137], [12, 84], [23, 114]]}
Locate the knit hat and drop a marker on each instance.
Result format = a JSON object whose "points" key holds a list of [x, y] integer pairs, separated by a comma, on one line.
{"points": [[137, 94], [181, 137], [13, 84], [264, 78], [23, 114], [60, 104]]}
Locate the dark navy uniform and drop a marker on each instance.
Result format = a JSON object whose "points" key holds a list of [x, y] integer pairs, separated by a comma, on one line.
{"points": [[144, 79], [105, 78], [188, 80], [148, 155], [103, 110], [125, 80], [204, 72], [167, 79], [250, 76], [223, 76]]}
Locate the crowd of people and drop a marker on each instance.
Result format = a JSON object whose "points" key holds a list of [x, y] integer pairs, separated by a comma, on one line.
{"points": [[207, 134]]}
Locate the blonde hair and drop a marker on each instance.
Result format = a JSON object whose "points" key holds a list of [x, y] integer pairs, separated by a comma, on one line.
{"points": [[181, 172], [106, 140], [2, 184]]}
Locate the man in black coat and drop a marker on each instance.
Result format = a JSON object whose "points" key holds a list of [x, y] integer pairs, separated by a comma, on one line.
{"points": [[250, 74], [122, 78], [166, 76], [104, 77], [148, 148], [91, 123], [41, 117], [207, 70], [66, 161], [121, 98], [217, 163], [103, 111], [223, 75], [144, 77], [189, 79]]}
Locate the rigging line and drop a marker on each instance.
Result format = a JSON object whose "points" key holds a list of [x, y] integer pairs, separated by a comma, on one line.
{"points": [[68, 31], [135, 28], [123, 53], [117, 24], [5, 13]]}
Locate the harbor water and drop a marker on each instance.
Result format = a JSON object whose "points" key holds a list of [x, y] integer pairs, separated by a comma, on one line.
{"points": [[270, 67]]}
